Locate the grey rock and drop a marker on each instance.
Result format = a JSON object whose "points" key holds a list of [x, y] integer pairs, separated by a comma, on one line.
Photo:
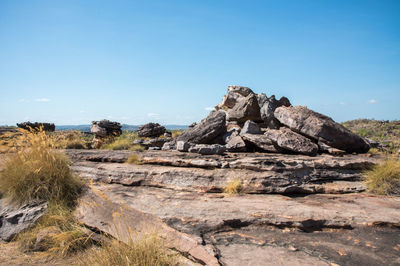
{"points": [[251, 127], [321, 128], [155, 142], [207, 131], [154, 148], [292, 141], [105, 128], [193, 124], [207, 149], [245, 109], [260, 142], [328, 149], [168, 134], [50, 127], [267, 108], [234, 95], [151, 130], [171, 145], [15, 219], [182, 146], [231, 133], [235, 144]]}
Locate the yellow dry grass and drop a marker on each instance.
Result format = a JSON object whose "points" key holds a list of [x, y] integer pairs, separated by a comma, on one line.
{"points": [[235, 186], [134, 159], [384, 178]]}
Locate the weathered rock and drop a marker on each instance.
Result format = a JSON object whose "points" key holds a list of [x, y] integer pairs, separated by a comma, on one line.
{"points": [[14, 219], [328, 149], [182, 146], [155, 142], [97, 211], [168, 134], [106, 128], [44, 238], [234, 95], [235, 144], [267, 108], [37, 125], [231, 133], [260, 142], [171, 145], [207, 149], [151, 130], [207, 131], [292, 141], [245, 109], [250, 128], [321, 128], [193, 124]]}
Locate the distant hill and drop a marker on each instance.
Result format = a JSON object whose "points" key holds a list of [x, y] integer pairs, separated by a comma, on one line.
{"points": [[86, 128]]}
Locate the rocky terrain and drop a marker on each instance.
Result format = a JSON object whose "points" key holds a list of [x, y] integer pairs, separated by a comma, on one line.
{"points": [[297, 174]]}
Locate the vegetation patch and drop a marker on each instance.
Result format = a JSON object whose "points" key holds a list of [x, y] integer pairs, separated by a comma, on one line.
{"points": [[38, 172], [72, 139], [122, 142], [134, 159], [384, 178], [234, 187], [148, 250]]}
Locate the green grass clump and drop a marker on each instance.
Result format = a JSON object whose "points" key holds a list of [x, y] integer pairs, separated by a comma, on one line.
{"points": [[38, 172], [123, 142], [137, 147], [234, 187], [148, 250], [384, 178], [134, 159]]}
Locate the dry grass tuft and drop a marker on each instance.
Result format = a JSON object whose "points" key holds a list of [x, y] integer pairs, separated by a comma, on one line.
{"points": [[64, 234], [37, 172], [71, 139], [149, 250], [234, 187], [123, 142], [176, 133], [384, 178], [134, 159]]}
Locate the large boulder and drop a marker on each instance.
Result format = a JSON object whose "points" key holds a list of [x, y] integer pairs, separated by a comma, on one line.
{"points": [[236, 144], [235, 94], [207, 131], [151, 130], [321, 128], [245, 109], [50, 127], [106, 128], [260, 142], [292, 141], [250, 128]]}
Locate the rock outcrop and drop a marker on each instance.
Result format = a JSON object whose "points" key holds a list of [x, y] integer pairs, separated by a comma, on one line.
{"points": [[256, 116], [151, 130], [106, 128], [320, 128], [50, 127]]}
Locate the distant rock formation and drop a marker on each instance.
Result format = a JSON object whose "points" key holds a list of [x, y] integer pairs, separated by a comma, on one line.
{"points": [[151, 130], [50, 127], [245, 121], [104, 129]]}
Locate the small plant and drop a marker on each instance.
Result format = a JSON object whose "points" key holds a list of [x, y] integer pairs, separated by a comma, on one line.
{"points": [[123, 142], [38, 172], [384, 178], [176, 133], [148, 250], [134, 159], [234, 187], [137, 147]]}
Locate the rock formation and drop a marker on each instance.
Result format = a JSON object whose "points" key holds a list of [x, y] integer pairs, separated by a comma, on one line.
{"points": [[151, 130], [245, 121], [104, 130], [50, 127]]}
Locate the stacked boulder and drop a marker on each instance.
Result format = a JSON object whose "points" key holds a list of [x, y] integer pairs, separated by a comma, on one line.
{"points": [[48, 127], [245, 121], [155, 134], [104, 131]]}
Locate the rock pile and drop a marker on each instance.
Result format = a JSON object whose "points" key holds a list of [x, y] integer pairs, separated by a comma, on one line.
{"points": [[245, 121], [50, 127], [103, 130], [151, 130]]}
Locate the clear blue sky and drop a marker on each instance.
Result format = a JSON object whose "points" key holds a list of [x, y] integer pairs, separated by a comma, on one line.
{"points": [[71, 62]]}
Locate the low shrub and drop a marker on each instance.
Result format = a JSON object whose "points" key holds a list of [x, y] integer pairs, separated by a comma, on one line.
{"points": [[234, 187], [134, 159], [123, 142], [148, 250], [38, 172], [384, 178]]}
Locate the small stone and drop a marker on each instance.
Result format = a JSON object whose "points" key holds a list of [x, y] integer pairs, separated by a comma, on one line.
{"points": [[207, 149], [182, 146]]}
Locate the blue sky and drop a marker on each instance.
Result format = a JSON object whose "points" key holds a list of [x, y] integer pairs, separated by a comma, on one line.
{"points": [[71, 62]]}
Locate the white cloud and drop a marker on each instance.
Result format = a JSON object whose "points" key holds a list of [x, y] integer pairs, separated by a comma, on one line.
{"points": [[342, 103], [153, 115], [23, 100], [209, 108], [372, 101], [42, 100]]}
